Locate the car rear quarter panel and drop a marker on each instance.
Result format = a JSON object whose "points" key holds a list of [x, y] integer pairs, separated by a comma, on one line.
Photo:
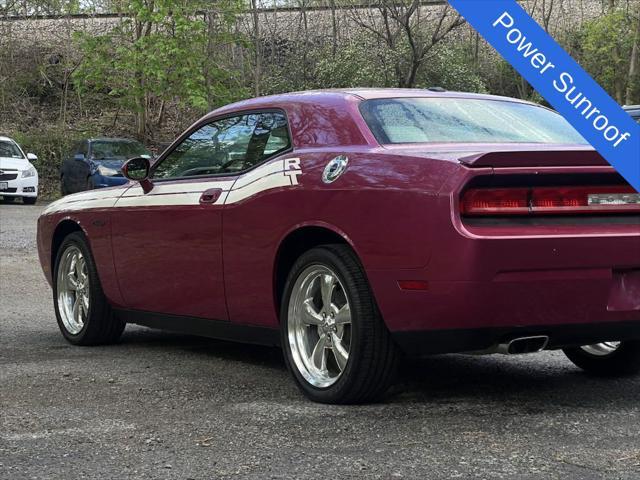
{"points": [[380, 206]]}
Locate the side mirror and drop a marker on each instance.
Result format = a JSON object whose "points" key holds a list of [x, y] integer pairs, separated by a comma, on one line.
{"points": [[32, 157], [79, 157], [137, 169]]}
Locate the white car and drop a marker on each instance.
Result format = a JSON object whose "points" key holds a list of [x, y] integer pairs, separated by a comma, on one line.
{"points": [[18, 177]]}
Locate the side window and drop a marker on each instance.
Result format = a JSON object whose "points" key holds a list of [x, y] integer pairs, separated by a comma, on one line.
{"points": [[270, 137], [227, 146]]}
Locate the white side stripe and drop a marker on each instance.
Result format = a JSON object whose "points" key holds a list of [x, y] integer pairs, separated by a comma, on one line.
{"points": [[275, 180], [276, 174], [172, 194], [161, 188], [258, 173], [84, 201], [176, 199]]}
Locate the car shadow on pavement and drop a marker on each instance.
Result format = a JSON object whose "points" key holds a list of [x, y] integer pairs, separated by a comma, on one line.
{"points": [[542, 382], [207, 347]]}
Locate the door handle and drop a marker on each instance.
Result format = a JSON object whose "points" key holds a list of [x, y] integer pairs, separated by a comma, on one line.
{"points": [[210, 196]]}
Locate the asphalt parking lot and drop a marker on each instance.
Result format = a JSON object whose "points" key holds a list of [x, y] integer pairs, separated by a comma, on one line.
{"points": [[165, 406]]}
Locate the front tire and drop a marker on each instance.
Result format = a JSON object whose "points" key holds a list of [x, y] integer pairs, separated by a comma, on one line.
{"points": [[611, 359], [83, 312], [29, 200], [335, 342]]}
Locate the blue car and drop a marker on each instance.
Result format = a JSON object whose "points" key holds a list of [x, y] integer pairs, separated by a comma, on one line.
{"points": [[97, 163]]}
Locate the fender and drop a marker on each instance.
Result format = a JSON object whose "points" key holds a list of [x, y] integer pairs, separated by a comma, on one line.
{"points": [[96, 227]]}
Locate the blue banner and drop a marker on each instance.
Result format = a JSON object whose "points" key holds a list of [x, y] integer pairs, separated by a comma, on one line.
{"points": [[559, 79]]}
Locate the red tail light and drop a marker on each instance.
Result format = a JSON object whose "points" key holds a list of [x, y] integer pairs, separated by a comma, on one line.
{"points": [[550, 201], [496, 201]]}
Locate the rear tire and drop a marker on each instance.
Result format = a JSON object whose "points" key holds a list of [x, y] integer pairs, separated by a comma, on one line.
{"points": [[604, 361], [83, 312], [349, 322]]}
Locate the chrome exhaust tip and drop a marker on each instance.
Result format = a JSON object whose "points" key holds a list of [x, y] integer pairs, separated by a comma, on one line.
{"points": [[524, 345]]}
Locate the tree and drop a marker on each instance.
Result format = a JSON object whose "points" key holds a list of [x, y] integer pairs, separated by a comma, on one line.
{"points": [[633, 87], [160, 52], [606, 51], [40, 7], [409, 28], [360, 62]]}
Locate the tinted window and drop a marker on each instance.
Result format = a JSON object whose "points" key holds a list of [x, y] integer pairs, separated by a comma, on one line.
{"points": [[458, 120], [111, 150], [9, 150], [229, 145]]}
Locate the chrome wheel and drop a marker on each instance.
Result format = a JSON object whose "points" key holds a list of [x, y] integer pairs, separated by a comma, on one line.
{"points": [[601, 349], [319, 326], [73, 290]]}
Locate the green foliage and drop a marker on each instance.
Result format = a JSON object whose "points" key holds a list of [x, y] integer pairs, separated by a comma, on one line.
{"points": [[162, 51], [605, 50], [365, 62], [358, 63], [452, 68], [42, 7]]}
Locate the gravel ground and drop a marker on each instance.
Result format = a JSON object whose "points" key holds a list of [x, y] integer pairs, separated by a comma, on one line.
{"points": [[165, 406]]}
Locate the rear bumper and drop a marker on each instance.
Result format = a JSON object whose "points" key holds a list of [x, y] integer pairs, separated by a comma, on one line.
{"points": [[419, 343], [534, 299]]}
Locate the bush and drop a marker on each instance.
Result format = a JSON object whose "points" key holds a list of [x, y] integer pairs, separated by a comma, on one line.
{"points": [[605, 51], [451, 67], [359, 63]]}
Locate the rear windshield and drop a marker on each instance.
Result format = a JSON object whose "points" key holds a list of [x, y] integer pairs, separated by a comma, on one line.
{"points": [[9, 150], [464, 120], [105, 150]]}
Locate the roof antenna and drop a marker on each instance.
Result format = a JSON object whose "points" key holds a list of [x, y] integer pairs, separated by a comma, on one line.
{"points": [[436, 89]]}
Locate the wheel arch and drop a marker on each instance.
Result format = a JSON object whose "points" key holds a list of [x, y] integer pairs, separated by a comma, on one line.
{"points": [[62, 230], [297, 241]]}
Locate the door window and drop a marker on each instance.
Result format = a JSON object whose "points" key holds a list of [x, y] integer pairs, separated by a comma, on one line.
{"points": [[227, 146]]}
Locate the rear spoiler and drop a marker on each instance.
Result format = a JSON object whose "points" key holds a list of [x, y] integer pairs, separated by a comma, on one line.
{"points": [[532, 158]]}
